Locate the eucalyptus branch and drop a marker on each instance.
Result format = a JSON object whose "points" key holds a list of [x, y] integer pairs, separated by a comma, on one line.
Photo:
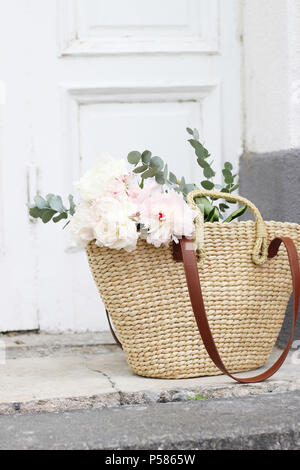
{"points": [[155, 167], [52, 208], [150, 167]]}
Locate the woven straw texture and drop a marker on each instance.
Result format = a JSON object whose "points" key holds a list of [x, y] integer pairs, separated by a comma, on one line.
{"points": [[147, 298]]}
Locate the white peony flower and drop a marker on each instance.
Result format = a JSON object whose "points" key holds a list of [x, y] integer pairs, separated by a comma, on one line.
{"points": [[108, 221], [113, 223], [81, 225], [96, 181]]}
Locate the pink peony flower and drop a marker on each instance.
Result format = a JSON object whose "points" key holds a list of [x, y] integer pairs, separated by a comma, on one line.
{"points": [[124, 185], [164, 215]]}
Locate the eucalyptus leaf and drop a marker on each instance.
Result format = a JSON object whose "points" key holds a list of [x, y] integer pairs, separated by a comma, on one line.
{"points": [[182, 184], [201, 151], [47, 215], [149, 173], [146, 156], [207, 185], [234, 188], [228, 166], [35, 212], [208, 172], [223, 207], [188, 188], [61, 216], [40, 202], [56, 204], [49, 197], [228, 177], [140, 169], [190, 131], [72, 204], [203, 163], [134, 157], [166, 172], [172, 178], [196, 134], [226, 173], [156, 162], [229, 180], [159, 178]]}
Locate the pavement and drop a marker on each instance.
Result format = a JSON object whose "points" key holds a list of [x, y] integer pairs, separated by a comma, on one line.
{"points": [[79, 371], [265, 422], [77, 391]]}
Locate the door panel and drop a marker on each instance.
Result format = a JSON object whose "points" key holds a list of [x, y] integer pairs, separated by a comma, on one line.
{"points": [[100, 27]]}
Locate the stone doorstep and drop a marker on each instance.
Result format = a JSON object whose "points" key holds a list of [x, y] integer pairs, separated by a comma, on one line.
{"points": [[34, 342], [264, 422], [81, 375]]}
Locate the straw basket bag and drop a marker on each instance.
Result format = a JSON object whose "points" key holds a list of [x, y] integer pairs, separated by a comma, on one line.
{"points": [[158, 307]]}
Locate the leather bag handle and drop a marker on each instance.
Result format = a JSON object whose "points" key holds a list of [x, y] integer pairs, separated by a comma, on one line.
{"points": [[194, 287]]}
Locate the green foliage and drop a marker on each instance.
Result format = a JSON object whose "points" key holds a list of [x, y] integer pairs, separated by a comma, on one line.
{"points": [[157, 163], [238, 213], [72, 204], [134, 158], [51, 208], [212, 212], [146, 156], [154, 167], [198, 397], [207, 185], [172, 178], [140, 169]]}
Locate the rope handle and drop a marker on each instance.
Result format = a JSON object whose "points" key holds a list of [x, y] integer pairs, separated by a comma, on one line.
{"points": [[260, 249]]}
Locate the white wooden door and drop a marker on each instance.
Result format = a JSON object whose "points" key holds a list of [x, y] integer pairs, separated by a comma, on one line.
{"points": [[85, 76]]}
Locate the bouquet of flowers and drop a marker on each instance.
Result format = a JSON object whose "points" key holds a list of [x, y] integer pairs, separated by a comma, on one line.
{"points": [[118, 205]]}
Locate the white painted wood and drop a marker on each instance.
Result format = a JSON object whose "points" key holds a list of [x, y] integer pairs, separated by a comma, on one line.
{"points": [[76, 87], [2, 108], [139, 113], [272, 71], [96, 27]]}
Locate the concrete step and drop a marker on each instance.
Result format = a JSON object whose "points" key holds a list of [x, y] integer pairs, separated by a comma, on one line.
{"points": [[44, 373], [264, 422]]}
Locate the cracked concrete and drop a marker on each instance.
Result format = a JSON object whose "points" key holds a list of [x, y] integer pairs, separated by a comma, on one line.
{"points": [[247, 423], [62, 372]]}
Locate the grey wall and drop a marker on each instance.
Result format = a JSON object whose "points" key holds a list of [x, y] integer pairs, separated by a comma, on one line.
{"points": [[272, 182]]}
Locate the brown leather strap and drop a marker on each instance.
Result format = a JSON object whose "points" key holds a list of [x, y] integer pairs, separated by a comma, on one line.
{"points": [[193, 282], [112, 331]]}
